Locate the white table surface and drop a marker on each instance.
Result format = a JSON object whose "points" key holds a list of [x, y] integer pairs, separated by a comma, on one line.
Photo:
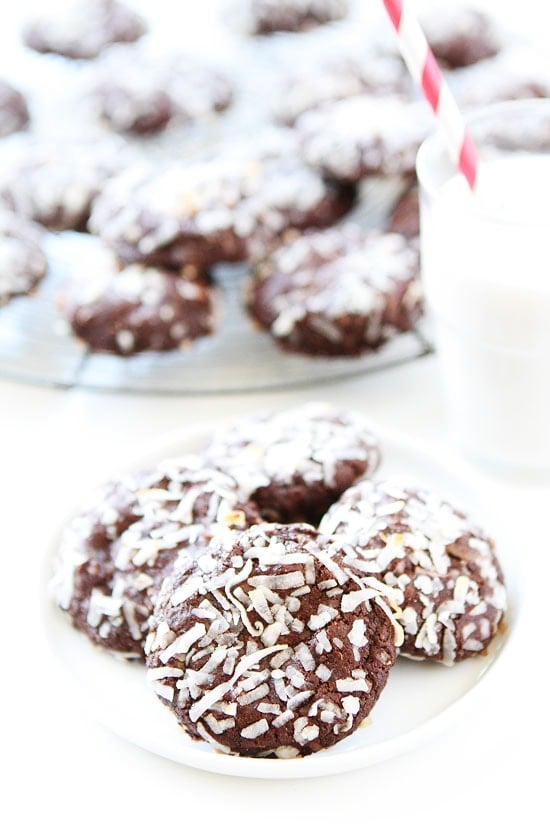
{"points": [[55, 444]]}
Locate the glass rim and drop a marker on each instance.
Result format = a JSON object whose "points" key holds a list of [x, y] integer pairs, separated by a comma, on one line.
{"points": [[436, 142]]}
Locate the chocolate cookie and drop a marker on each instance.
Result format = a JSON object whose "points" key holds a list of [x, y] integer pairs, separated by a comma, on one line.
{"points": [[365, 135], [22, 262], [140, 94], [54, 183], [452, 589], [405, 218], [269, 16], [338, 79], [14, 113], [294, 464], [271, 649], [81, 29], [115, 553], [224, 208], [339, 292], [513, 75], [139, 309], [460, 37]]}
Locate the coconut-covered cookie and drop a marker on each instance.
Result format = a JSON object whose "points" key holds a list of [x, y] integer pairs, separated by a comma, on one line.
{"points": [[405, 217], [14, 113], [84, 567], [364, 135], [22, 261], [460, 37], [139, 93], [115, 553], [267, 647], [339, 292], [514, 74], [269, 16], [223, 208], [452, 588], [295, 463], [139, 309], [54, 182], [81, 29], [338, 79]]}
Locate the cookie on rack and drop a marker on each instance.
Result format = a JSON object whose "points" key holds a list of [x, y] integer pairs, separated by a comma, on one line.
{"points": [[225, 207], [364, 135], [115, 553], [14, 112], [271, 649], [22, 261], [132, 102], [54, 182], [139, 309], [269, 16], [460, 37], [295, 463], [405, 216], [339, 292], [339, 78], [514, 74], [452, 589], [81, 29], [140, 93]]}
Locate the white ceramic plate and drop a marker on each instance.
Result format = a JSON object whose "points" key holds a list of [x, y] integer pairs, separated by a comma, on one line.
{"points": [[419, 701]]}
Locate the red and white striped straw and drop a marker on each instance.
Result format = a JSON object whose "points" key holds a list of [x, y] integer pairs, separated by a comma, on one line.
{"points": [[423, 67]]}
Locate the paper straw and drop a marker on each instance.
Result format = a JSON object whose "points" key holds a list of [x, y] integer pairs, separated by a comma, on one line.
{"points": [[423, 67]]}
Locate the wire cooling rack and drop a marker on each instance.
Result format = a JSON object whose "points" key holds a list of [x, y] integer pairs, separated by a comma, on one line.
{"points": [[36, 345]]}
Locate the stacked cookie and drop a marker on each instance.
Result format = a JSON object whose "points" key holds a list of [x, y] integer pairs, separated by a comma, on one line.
{"points": [[343, 291], [270, 583]]}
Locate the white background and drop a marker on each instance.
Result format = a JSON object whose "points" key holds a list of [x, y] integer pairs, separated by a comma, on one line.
{"points": [[60, 766]]}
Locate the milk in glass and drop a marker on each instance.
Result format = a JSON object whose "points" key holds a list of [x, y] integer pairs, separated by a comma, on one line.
{"points": [[486, 273]]}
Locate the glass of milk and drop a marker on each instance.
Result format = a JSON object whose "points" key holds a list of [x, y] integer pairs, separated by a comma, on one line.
{"points": [[486, 274]]}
